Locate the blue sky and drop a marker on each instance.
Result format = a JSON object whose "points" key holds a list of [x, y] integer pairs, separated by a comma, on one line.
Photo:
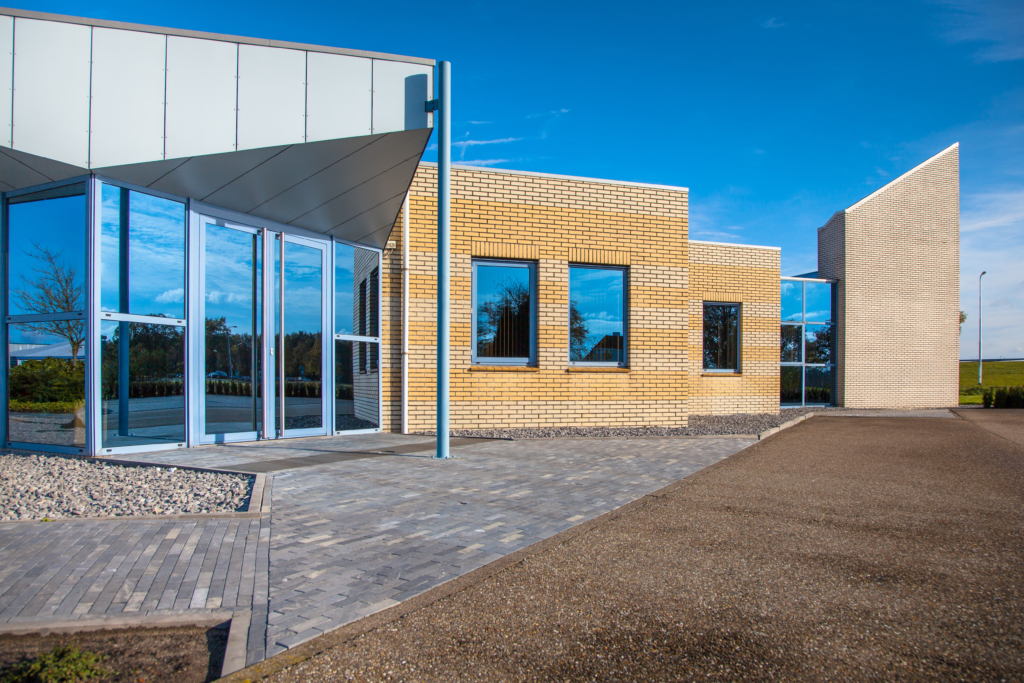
{"points": [[774, 114]]}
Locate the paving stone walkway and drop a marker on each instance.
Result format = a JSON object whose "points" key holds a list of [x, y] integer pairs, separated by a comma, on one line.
{"points": [[347, 537]]}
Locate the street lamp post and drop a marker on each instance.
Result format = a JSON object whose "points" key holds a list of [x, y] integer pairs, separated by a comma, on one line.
{"points": [[979, 326]]}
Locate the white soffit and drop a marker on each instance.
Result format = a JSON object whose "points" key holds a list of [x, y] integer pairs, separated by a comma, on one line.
{"points": [[271, 96], [51, 90], [400, 91], [201, 92], [338, 96], [127, 117], [6, 78]]}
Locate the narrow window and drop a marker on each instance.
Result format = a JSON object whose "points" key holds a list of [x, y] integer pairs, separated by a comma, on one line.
{"points": [[597, 315], [504, 312], [721, 337]]}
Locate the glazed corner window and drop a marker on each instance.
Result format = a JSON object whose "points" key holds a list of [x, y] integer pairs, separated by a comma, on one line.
{"points": [[504, 312], [597, 315], [721, 337]]}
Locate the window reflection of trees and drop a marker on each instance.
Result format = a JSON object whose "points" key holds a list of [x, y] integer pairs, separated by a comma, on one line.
{"points": [[721, 328], [503, 322], [53, 287]]}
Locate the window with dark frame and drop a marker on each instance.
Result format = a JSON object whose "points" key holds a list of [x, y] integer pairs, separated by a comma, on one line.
{"points": [[721, 337], [597, 315], [504, 312]]}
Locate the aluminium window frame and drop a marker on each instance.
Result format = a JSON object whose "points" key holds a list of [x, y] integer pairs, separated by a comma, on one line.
{"points": [[90, 367], [625, 319], [802, 323], [336, 337], [739, 338], [99, 316], [531, 266]]}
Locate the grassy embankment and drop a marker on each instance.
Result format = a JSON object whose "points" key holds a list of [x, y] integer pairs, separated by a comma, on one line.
{"points": [[994, 374]]}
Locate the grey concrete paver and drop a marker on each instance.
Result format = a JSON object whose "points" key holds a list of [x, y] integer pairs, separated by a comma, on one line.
{"points": [[343, 538]]}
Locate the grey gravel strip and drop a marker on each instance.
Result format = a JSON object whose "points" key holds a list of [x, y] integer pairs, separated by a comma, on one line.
{"points": [[37, 487]]}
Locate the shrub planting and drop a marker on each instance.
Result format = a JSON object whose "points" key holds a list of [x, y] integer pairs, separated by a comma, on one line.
{"points": [[1003, 397]]}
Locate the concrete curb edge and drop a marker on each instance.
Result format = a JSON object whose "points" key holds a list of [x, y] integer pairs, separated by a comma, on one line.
{"points": [[785, 425]]}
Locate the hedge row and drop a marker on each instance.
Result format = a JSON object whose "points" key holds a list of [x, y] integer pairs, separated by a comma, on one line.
{"points": [[1003, 397], [17, 406]]}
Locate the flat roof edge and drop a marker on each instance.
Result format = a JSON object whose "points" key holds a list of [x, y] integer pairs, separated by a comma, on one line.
{"points": [[203, 35], [559, 176], [733, 244]]}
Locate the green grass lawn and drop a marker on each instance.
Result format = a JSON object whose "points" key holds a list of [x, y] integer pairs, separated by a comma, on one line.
{"points": [[994, 374]]}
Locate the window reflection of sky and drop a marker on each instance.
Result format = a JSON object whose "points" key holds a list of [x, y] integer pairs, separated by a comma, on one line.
{"points": [[489, 280], [55, 224], [229, 271], [598, 297], [344, 282], [792, 300], [156, 271], [819, 301], [303, 269]]}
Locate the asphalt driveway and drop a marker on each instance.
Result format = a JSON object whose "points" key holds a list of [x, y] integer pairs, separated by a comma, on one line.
{"points": [[840, 549]]}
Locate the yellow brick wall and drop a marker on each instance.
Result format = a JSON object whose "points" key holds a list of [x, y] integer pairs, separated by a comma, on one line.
{"points": [[748, 276], [553, 221]]}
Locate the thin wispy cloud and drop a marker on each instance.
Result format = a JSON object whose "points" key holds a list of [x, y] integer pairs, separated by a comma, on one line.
{"points": [[987, 210], [462, 144], [484, 162], [553, 112], [773, 23], [999, 24], [478, 123]]}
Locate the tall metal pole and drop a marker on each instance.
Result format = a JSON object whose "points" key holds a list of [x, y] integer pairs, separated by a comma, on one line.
{"points": [[405, 314], [444, 171], [979, 326]]}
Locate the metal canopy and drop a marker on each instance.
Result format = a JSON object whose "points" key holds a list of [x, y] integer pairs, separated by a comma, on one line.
{"points": [[351, 188]]}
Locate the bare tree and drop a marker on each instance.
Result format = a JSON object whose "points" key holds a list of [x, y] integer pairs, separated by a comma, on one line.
{"points": [[52, 288]]}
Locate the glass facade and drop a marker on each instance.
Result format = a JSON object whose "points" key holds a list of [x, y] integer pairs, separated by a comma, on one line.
{"points": [[182, 327], [808, 343], [597, 315]]}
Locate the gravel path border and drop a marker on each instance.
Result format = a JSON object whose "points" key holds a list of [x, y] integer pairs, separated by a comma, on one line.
{"points": [[51, 487], [699, 425]]}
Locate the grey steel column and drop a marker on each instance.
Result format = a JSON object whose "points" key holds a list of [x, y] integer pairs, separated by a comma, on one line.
{"points": [[123, 328], [280, 349], [444, 172]]}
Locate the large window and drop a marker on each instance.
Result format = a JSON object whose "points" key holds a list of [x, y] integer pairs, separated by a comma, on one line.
{"points": [[807, 375], [597, 315], [46, 302], [504, 312], [721, 337], [356, 338], [142, 319]]}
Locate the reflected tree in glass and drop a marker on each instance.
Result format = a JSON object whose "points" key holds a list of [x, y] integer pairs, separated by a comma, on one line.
{"points": [[721, 332], [790, 389], [791, 351], [820, 342], [51, 284], [503, 313]]}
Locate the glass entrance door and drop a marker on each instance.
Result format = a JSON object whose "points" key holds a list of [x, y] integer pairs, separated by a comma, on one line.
{"points": [[301, 310], [231, 406]]}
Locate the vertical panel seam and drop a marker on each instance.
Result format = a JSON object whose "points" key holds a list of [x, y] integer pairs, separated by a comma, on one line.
{"points": [[373, 74], [88, 147], [238, 72], [166, 40], [14, 35], [305, 92]]}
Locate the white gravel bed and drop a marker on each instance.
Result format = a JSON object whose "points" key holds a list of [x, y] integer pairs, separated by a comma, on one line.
{"points": [[55, 487], [699, 425]]}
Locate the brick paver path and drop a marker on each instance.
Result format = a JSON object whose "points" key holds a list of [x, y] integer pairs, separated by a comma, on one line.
{"points": [[350, 537]]}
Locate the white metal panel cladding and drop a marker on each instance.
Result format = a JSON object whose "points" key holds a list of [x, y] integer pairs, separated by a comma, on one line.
{"points": [[127, 117], [338, 96], [201, 96], [400, 91], [271, 96], [6, 77], [51, 90]]}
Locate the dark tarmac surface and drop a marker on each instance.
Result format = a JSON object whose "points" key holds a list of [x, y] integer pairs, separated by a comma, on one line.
{"points": [[840, 549]]}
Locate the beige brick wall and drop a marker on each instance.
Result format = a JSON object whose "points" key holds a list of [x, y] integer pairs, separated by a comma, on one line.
{"points": [[897, 254], [553, 221], [831, 265], [748, 276]]}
